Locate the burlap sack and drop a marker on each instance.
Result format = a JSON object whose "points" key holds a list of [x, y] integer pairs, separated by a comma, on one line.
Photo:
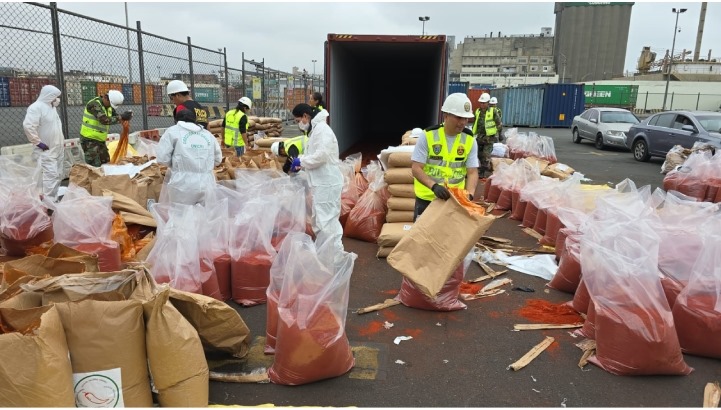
{"points": [[219, 326], [401, 204], [106, 341], [384, 251], [267, 142], [394, 216], [175, 355], [399, 176], [35, 370], [435, 246], [400, 160], [392, 233], [83, 175], [402, 190]]}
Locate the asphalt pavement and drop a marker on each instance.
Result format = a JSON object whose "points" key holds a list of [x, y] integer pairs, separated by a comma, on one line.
{"points": [[460, 359]]}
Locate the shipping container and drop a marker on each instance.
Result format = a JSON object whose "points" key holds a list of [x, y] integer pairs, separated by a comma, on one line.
{"points": [[206, 95], [73, 93], [521, 106], [155, 110], [158, 94], [561, 102], [20, 92], [103, 88], [4, 92], [138, 95], [89, 90], [127, 91], [608, 95], [474, 94], [363, 71], [457, 87]]}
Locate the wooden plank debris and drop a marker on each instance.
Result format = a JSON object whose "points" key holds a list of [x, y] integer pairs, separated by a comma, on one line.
{"points": [[378, 306], [539, 326], [532, 354], [486, 277], [256, 376], [589, 349], [711, 395], [482, 295], [532, 233]]}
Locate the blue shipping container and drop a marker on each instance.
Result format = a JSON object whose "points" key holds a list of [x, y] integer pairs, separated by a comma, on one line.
{"points": [[521, 106], [562, 102], [128, 93], [457, 87], [4, 92]]}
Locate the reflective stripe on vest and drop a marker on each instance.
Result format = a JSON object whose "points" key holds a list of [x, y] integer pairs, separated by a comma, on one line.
{"points": [[442, 165], [92, 128], [232, 134], [489, 121], [299, 142]]}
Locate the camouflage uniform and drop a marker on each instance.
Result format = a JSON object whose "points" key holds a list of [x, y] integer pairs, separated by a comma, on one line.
{"points": [[96, 152], [485, 142]]}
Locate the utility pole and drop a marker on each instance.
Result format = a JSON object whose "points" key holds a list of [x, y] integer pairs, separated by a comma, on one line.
{"points": [[127, 32], [673, 46]]}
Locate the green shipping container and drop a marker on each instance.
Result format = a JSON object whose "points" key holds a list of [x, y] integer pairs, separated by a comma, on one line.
{"points": [[207, 95], [611, 95], [88, 91]]}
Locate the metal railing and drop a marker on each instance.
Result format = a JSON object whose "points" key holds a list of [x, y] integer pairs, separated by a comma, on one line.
{"points": [[85, 57]]}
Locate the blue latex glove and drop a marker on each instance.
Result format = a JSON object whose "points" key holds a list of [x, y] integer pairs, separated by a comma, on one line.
{"points": [[43, 147], [295, 165]]}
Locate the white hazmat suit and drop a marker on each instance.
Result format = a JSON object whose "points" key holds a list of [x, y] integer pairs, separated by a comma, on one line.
{"points": [[42, 125], [191, 152], [321, 163]]}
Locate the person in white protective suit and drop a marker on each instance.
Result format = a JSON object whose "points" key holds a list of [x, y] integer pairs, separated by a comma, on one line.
{"points": [[43, 129], [191, 152], [320, 161]]}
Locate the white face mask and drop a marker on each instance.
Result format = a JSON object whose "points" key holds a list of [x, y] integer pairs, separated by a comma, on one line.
{"points": [[55, 102], [304, 126]]}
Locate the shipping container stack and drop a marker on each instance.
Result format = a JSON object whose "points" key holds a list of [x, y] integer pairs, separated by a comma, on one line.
{"points": [[137, 96], [103, 88], [4, 92], [401, 202]]}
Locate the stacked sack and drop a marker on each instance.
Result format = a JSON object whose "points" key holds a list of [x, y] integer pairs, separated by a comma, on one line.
{"points": [[699, 177], [401, 202], [264, 131], [522, 145], [678, 155], [366, 219]]}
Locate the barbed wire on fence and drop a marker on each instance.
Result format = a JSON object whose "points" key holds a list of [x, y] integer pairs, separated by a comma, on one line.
{"points": [[85, 57]]}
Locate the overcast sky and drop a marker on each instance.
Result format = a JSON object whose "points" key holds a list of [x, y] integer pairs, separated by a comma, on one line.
{"points": [[292, 34]]}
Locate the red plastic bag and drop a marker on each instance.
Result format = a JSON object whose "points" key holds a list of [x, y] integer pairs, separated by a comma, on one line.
{"points": [[568, 276], [447, 299], [349, 195], [311, 342], [366, 219], [23, 221]]}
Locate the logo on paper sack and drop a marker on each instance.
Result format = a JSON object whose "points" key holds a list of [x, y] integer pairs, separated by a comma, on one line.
{"points": [[97, 390], [437, 149]]}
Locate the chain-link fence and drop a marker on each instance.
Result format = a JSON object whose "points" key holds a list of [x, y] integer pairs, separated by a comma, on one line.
{"points": [[86, 57], [648, 102]]}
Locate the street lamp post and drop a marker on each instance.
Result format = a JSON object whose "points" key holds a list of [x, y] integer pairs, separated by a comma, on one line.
{"points": [[673, 46], [314, 61], [424, 19]]}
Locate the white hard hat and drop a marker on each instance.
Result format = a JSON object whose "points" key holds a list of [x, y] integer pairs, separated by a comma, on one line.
{"points": [[246, 101], [485, 97], [416, 133], [494, 100], [459, 105], [116, 98], [275, 147], [176, 86]]}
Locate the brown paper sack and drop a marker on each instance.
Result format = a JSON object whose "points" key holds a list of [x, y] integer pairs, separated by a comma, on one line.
{"points": [[175, 355], [219, 326], [83, 175], [384, 251], [106, 341], [437, 244], [394, 216], [67, 253], [105, 286], [399, 176], [399, 160], [392, 233], [35, 369], [401, 204], [39, 266], [123, 185], [25, 300], [402, 190], [495, 162]]}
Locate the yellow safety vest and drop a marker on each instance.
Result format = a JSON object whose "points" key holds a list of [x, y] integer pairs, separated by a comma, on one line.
{"points": [[489, 121], [233, 136], [443, 165], [298, 142], [92, 128]]}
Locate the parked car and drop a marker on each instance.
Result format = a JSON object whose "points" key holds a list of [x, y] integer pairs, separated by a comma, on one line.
{"points": [[604, 126], [657, 134]]}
